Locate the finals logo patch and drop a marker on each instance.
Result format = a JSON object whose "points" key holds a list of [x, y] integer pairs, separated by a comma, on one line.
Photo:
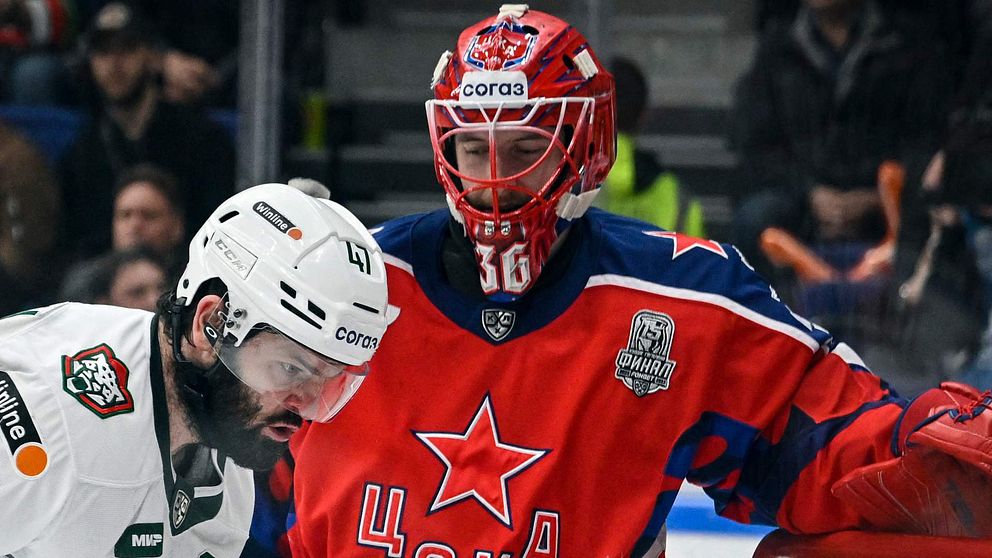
{"points": [[98, 380], [644, 366]]}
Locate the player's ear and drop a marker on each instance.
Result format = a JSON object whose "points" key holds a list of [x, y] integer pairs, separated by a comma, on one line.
{"points": [[201, 348]]}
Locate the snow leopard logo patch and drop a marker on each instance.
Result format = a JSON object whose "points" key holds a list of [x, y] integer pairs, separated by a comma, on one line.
{"points": [[98, 380]]}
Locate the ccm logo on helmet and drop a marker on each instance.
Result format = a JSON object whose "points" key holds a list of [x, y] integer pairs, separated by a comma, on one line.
{"points": [[233, 254], [230, 255], [352, 337]]}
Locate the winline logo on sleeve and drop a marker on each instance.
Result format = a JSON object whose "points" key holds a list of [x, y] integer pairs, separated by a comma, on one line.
{"points": [[26, 450]]}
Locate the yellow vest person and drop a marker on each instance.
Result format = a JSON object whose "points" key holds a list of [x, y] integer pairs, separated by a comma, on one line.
{"points": [[656, 200]]}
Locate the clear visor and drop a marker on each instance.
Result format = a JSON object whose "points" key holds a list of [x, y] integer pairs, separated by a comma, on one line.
{"points": [[280, 369]]}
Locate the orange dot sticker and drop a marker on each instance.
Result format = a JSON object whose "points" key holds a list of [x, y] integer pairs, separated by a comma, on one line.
{"points": [[295, 233], [19, 431], [31, 460]]}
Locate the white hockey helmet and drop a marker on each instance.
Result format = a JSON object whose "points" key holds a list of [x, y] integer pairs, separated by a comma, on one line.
{"points": [[298, 266]]}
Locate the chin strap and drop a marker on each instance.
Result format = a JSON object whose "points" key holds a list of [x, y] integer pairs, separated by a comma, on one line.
{"points": [[175, 321], [197, 386]]}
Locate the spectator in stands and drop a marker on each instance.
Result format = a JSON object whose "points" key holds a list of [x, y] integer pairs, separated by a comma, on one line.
{"points": [[638, 186], [131, 124], [148, 236], [29, 206], [830, 96], [960, 177], [201, 54], [129, 278], [961, 172], [197, 41], [949, 21], [33, 38], [771, 12], [147, 214]]}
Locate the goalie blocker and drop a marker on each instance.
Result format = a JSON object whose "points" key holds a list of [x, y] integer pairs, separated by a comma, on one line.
{"points": [[940, 482]]}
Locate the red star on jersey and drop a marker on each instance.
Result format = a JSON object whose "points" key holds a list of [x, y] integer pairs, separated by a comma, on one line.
{"points": [[478, 465], [684, 243]]}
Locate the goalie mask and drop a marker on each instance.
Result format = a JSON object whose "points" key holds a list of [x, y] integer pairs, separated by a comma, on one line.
{"points": [[522, 128], [306, 296]]}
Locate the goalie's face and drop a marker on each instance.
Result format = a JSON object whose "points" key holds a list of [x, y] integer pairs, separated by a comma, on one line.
{"points": [[521, 125], [504, 172], [505, 169]]}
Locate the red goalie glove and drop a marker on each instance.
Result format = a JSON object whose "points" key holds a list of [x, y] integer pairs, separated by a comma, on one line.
{"points": [[941, 483]]}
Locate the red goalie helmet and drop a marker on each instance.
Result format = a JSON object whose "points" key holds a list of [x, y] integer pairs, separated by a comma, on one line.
{"points": [[522, 127]]}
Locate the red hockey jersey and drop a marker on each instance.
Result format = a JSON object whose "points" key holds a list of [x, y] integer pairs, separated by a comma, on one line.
{"points": [[563, 424]]}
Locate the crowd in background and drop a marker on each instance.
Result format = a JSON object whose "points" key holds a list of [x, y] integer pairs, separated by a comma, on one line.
{"points": [[153, 155], [849, 106], [101, 220], [862, 133]]}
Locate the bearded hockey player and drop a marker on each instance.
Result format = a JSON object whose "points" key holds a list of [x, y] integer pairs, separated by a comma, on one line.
{"points": [[134, 434], [557, 372]]}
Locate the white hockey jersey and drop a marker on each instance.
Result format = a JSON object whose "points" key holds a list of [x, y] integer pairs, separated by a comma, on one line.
{"points": [[85, 467]]}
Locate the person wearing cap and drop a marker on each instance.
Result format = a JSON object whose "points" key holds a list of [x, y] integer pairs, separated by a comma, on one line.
{"points": [[132, 123], [131, 433]]}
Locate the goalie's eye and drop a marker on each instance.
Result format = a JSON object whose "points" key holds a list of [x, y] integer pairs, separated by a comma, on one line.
{"points": [[473, 148]]}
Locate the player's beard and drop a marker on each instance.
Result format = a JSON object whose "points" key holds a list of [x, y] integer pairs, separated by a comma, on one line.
{"points": [[231, 420]]}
